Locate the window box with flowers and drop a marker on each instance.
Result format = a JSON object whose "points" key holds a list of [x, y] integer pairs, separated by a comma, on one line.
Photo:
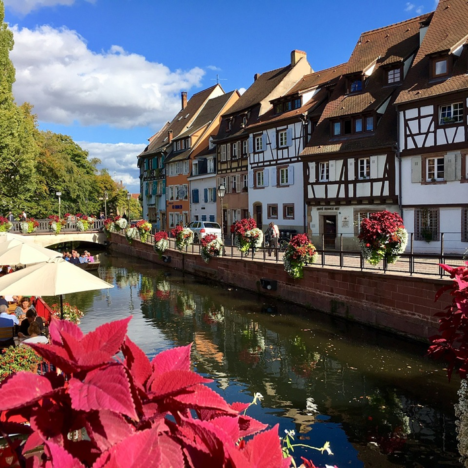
{"points": [[382, 236], [299, 253]]}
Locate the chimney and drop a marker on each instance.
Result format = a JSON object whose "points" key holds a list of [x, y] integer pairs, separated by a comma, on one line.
{"points": [[296, 55], [256, 76], [183, 96], [169, 135]]}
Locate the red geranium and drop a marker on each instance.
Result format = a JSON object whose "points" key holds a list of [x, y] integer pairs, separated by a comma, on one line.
{"points": [[175, 232], [207, 239], [378, 226], [159, 236]]}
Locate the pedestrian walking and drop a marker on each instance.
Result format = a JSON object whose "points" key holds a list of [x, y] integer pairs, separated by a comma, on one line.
{"points": [[273, 234]]}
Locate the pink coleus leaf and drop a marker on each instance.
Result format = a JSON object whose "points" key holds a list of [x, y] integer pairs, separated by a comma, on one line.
{"points": [[174, 381], [57, 326], [172, 359], [107, 429], [56, 355], [238, 406], [201, 397], [136, 361], [107, 338], [34, 440], [102, 389], [49, 423], [249, 426], [61, 458], [23, 389], [264, 450], [229, 425]]}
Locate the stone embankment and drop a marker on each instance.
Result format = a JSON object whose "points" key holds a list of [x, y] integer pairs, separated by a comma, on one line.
{"points": [[397, 303]]}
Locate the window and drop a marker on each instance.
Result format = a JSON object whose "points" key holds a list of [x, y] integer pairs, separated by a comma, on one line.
{"points": [[426, 224], [171, 192], [223, 152], [394, 76], [171, 220], [364, 168], [356, 85], [210, 165], [347, 127], [272, 211], [282, 138], [288, 211], [283, 176], [259, 179], [358, 217], [435, 169], [245, 182], [287, 106], [234, 184], [195, 168], [324, 172], [358, 125], [279, 108], [369, 124], [297, 103], [440, 67], [258, 143], [211, 194], [452, 113], [234, 150], [228, 125], [464, 226], [244, 148], [186, 166], [336, 128], [244, 121]]}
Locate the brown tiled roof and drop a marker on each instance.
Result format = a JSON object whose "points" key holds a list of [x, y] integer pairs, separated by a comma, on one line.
{"points": [[386, 45], [448, 29], [162, 131], [181, 120], [317, 79], [260, 89]]}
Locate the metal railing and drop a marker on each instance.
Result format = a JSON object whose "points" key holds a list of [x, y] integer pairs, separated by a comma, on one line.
{"points": [[409, 263], [44, 227]]}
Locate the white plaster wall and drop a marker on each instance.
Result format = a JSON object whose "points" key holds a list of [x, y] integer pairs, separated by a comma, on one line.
{"points": [[202, 208]]}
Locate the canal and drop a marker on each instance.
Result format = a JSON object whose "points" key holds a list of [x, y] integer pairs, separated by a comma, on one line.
{"points": [[375, 397]]}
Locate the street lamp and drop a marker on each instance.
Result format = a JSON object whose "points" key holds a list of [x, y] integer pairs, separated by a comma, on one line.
{"points": [[59, 194], [129, 196], [105, 204], [221, 193]]}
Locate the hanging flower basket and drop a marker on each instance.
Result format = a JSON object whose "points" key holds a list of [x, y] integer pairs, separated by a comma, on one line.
{"points": [[382, 235], [299, 253], [131, 234], [70, 313], [211, 246], [109, 227], [183, 237], [55, 224], [246, 235], [120, 223], [144, 229], [5, 225], [160, 243], [84, 222], [24, 227]]}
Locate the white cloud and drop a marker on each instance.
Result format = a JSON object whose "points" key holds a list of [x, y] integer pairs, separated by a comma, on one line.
{"points": [[26, 6], [67, 82], [241, 91], [120, 159], [213, 67], [412, 6], [409, 6], [419, 10]]}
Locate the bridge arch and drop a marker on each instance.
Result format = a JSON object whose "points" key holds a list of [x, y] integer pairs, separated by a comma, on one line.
{"points": [[47, 240]]}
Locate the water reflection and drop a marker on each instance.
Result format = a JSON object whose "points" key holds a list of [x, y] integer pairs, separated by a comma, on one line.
{"points": [[372, 396]]}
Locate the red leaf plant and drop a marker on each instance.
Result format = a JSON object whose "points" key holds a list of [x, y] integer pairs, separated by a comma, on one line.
{"points": [[451, 344], [135, 413]]}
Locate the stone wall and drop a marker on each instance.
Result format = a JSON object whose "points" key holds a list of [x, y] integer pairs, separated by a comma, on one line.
{"points": [[400, 304]]}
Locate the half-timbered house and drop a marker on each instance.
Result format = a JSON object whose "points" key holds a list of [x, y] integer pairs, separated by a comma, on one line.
{"points": [[350, 165], [433, 133], [276, 185], [232, 140]]}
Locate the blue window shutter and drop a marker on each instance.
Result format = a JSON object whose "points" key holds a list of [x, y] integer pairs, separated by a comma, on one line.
{"points": [[212, 218], [155, 185], [146, 164], [264, 141], [291, 175], [289, 137], [250, 143], [265, 177], [203, 218], [251, 179], [205, 195], [273, 141], [214, 195], [273, 177], [164, 187], [197, 198]]}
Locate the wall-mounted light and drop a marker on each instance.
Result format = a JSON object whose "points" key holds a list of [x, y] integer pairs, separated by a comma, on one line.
{"points": [[270, 285], [166, 259]]}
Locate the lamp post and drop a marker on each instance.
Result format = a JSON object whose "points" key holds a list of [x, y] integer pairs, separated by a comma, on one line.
{"points": [[105, 203], [129, 196], [59, 194], [221, 193]]}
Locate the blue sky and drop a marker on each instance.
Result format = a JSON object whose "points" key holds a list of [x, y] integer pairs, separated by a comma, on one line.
{"points": [[109, 72]]}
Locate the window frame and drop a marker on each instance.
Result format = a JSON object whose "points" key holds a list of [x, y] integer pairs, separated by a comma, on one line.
{"points": [[436, 170], [283, 170], [394, 71], [327, 170], [234, 154], [434, 63], [365, 176], [257, 174], [257, 138], [335, 125], [270, 208], [245, 148], [452, 111], [286, 206], [282, 135], [433, 227]]}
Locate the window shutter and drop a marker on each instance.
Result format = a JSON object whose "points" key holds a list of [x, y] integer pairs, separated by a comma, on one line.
{"points": [[291, 175], [274, 177], [155, 186], [264, 141], [331, 171], [449, 167], [164, 187], [312, 172], [228, 151], [212, 218], [238, 187], [373, 167], [205, 195], [250, 143], [214, 194], [289, 137], [238, 214], [351, 174], [416, 170], [274, 140], [265, 177], [251, 179]]}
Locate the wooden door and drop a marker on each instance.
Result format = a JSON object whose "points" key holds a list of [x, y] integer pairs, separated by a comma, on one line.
{"points": [[329, 230], [258, 216]]}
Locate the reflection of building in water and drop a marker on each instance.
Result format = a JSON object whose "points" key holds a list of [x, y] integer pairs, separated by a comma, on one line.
{"points": [[206, 349]]}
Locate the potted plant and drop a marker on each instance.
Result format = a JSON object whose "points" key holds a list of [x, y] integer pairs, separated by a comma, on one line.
{"points": [[55, 223], [131, 233], [246, 235], [144, 229], [16, 359], [109, 227], [183, 237], [70, 313], [211, 246], [160, 243], [299, 253], [382, 235], [120, 223], [5, 225]]}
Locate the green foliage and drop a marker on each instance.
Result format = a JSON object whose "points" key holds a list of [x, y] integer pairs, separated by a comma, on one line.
{"points": [[16, 359]]}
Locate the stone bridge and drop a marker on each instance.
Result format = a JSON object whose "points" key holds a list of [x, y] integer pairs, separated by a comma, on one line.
{"points": [[44, 237]]}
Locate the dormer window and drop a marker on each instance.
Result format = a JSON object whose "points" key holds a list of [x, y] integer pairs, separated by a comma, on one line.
{"points": [[451, 113], [228, 125], [394, 75], [289, 105], [356, 125], [369, 124], [356, 86], [440, 66], [244, 121], [336, 128]]}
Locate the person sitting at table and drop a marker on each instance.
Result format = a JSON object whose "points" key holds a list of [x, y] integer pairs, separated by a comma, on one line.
{"points": [[83, 258], [35, 335], [75, 259], [21, 310], [5, 315], [3, 301], [31, 316], [89, 257]]}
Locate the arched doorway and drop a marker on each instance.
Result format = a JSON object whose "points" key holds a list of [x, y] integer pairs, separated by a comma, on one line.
{"points": [[258, 214]]}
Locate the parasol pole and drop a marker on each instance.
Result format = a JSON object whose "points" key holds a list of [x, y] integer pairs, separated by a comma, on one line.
{"points": [[61, 307]]}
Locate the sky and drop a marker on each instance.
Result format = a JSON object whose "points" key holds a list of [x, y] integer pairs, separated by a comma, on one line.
{"points": [[109, 73]]}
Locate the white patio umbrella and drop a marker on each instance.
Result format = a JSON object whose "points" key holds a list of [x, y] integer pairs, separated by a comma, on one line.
{"points": [[8, 236], [16, 252], [52, 278]]}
